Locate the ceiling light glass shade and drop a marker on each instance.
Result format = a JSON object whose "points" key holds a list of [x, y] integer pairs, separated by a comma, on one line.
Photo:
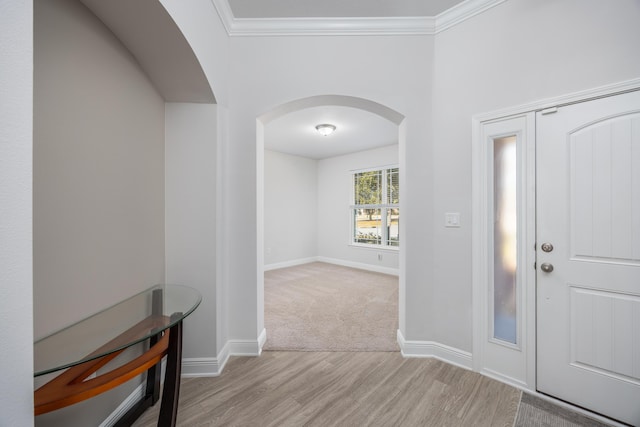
{"points": [[325, 129]]}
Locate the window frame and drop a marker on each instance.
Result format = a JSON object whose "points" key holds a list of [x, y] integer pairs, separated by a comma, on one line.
{"points": [[383, 207]]}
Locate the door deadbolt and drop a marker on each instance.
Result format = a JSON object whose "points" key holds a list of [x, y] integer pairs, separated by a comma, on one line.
{"points": [[546, 267], [547, 247]]}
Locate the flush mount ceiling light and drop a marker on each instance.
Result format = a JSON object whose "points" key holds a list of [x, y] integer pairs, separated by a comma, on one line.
{"points": [[325, 129]]}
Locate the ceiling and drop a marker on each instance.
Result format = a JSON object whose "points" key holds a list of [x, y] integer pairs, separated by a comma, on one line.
{"points": [[251, 9], [356, 130]]}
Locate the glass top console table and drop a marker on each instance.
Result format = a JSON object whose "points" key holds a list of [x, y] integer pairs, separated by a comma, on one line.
{"points": [[154, 316]]}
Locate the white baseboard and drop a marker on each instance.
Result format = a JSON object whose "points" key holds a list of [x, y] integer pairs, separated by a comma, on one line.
{"points": [[213, 366], [506, 379], [262, 338], [203, 367], [352, 264], [436, 350], [291, 263], [128, 403], [247, 347], [360, 265]]}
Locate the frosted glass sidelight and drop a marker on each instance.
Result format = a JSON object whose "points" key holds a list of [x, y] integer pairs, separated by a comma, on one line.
{"points": [[505, 225]]}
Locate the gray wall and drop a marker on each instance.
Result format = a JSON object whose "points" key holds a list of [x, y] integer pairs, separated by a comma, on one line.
{"points": [[98, 179], [98, 169]]}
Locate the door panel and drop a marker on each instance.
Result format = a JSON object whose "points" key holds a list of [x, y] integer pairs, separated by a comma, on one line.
{"points": [[602, 190], [588, 208], [594, 347]]}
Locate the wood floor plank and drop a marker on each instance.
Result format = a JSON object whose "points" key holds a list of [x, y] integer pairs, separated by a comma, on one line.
{"points": [[507, 403], [416, 400], [342, 389]]}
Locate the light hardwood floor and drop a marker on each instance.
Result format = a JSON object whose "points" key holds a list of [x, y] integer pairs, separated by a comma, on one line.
{"points": [[342, 389]]}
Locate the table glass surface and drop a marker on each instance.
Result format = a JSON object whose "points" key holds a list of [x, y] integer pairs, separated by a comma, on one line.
{"points": [[111, 329]]}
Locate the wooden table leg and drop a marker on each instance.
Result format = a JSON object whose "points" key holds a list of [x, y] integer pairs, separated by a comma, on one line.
{"points": [[171, 389]]}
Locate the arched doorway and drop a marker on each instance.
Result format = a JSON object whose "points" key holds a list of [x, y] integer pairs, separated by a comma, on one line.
{"points": [[380, 111]]}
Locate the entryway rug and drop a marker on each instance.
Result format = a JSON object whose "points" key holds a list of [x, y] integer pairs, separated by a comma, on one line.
{"points": [[536, 412], [326, 307]]}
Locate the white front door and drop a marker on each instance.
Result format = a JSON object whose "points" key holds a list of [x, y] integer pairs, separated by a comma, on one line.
{"points": [[588, 255]]}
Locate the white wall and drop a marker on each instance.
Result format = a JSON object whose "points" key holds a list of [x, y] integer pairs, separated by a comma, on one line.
{"points": [[517, 52], [552, 48], [16, 307], [335, 187], [98, 179], [306, 211], [191, 253], [395, 71], [290, 207], [199, 22]]}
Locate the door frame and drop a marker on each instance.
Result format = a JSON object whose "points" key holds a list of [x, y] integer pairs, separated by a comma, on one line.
{"points": [[481, 358], [510, 363]]}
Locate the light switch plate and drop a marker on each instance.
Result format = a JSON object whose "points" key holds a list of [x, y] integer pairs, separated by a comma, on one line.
{"points": [[452, 219]]}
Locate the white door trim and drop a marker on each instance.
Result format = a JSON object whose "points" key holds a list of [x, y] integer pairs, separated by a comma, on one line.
{"points": [[557, 101], [511, 363], [480, 239]]}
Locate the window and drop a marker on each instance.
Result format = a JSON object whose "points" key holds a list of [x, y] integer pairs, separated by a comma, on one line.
{"points": [[375, 210]]}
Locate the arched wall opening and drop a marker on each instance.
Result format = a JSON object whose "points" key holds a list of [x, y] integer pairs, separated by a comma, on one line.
{"points": [[124, 119], [265, 119], [115, 100]]}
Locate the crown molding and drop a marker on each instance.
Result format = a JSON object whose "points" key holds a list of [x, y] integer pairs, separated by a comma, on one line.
{"points": [[424, 25], [225, 14], [463, 11], [333, 26]]}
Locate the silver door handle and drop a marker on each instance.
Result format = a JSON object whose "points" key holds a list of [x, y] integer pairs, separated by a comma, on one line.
{"points": [[546, 267], [547, 247]]}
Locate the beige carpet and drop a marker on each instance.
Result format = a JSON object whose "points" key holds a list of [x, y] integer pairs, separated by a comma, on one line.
{"points": [[325, 307]]}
